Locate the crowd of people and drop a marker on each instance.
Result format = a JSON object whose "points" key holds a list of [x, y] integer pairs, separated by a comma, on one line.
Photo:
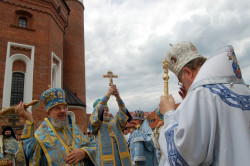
{"points": [[209, 127]]}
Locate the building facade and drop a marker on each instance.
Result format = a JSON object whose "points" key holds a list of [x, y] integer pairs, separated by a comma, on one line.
{"points": [[42, 45]]}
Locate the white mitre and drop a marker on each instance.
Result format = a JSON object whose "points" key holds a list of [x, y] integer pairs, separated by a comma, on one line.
{"points": [[181, 54], [222, 68]]}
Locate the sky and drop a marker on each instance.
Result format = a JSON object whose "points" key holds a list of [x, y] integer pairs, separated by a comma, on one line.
{"points": [[132, 37]]}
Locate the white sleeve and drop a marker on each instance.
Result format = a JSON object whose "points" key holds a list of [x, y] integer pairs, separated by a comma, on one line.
{"points": [[190, 130]]}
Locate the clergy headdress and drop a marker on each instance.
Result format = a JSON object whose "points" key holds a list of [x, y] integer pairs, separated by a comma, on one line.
{"points": [[53, 97], [138, 114], [223, 64], [179, 55]]}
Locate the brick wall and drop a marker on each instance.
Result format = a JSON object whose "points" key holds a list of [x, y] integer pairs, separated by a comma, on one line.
{"points": [[46, 21], [74, 64]]}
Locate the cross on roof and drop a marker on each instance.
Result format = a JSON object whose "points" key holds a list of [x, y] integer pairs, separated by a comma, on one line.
{"points": [[110, 76]]}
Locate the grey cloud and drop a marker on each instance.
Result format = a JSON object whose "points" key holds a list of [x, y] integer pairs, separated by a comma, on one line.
{"points": [[132, 37]]}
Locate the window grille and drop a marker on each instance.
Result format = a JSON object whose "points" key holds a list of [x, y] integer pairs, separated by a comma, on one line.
{"points": [[17, 88], [22, 22]]}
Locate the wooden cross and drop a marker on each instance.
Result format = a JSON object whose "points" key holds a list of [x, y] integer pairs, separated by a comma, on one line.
{"points": [[110, 76]]}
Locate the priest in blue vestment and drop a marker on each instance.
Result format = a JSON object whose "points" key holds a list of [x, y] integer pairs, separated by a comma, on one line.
{"points": [[8, 145], [111, 144], [58, 141], [142, 149]]}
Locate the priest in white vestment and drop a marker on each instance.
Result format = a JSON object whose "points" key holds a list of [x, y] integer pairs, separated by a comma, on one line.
{"points": [[211, 125]]}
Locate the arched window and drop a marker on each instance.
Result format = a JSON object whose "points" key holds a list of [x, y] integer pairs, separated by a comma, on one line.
{"points": [[11, 67], [22, 22], [17, 88]]}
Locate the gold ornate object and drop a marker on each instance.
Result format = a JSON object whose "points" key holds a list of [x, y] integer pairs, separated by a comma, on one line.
{"points": [[137, 126], [165, 77], [111, 133], [11, 110], [4, 162], [110, 76]]}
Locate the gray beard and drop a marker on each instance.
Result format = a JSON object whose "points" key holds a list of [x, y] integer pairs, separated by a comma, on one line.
{"points": [[57, 123], [106, 118]]}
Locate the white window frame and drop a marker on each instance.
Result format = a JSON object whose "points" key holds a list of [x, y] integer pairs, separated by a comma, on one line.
{"points": [[58, 71], [28, 81]]}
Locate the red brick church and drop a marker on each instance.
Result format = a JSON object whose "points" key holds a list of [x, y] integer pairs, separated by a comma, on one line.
{"points": [[42, 44]]}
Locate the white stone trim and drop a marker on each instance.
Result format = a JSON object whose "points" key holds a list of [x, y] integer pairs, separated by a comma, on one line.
{"points": [[58, 71], [18, 72], [81, 1], [28, 80]]}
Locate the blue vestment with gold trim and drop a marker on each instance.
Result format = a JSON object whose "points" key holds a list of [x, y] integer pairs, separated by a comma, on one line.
{"points": [[9, 147], [50, 146], [142, 148], [110, 142]]}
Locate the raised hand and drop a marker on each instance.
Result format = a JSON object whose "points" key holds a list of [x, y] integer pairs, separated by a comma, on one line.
{"points": [[166, 104], [111, 90], [22, 112], [116, 93]]}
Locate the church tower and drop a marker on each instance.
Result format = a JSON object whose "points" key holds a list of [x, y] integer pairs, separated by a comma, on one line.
{"points": [[74, 59], [41, 44]]}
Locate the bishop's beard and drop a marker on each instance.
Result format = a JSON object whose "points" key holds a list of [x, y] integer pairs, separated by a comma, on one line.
{"points": [[106, 118], [57, 123]]}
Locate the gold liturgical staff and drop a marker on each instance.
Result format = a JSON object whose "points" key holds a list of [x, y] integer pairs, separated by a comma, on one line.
{"points": [[165, 77], [110, 75]]}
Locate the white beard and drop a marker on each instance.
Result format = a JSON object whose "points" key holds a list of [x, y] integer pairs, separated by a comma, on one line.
{"points": [[57, 123], [106, 118]]}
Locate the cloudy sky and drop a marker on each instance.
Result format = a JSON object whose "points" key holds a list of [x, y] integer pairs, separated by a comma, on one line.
{"points": [[131, 38]]}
